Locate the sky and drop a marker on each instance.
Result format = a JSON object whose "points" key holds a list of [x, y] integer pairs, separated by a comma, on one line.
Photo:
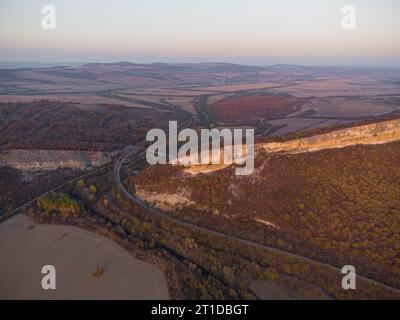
{"points": [[253, 32]]}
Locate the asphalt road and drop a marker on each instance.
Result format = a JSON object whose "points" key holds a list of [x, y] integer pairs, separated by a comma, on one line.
{"points": [[139, 150], [189, 225]]}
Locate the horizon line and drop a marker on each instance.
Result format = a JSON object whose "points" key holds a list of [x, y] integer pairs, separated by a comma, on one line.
{"points": [[50, 64]]}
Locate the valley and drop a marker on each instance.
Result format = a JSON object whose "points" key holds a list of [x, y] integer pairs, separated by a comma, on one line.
{"points": [[324, 192]]}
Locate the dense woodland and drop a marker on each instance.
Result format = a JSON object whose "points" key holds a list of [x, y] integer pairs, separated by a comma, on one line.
{"points": [[18, 187], [66, 126], [9, 191], [340, 206], [337, 206], [198, 265]]}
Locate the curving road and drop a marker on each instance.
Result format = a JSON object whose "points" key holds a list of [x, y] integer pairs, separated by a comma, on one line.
{"points": [[139, 150], [135, 199]]}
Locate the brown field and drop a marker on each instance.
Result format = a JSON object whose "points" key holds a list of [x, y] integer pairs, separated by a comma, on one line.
{"points": [[25, 247], [169, 91], [350, 86], [348, 107], [41, 76], [186, 103], [75, 98], [63, 88], [149, 98], [252, 108], [293, 124], [239, 87]]}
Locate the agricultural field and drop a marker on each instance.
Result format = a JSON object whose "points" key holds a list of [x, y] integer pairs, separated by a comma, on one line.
{"points": [[352, 107], [202, 90], [85, 99], [339, 86], [68, 139], [252, 108], [90, 266]]}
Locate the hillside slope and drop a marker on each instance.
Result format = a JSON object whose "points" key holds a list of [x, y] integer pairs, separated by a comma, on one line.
{"points": [[339, 204]]}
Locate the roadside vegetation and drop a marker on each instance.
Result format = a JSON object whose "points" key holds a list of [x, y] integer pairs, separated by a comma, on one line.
{"points": [[61, 204]]}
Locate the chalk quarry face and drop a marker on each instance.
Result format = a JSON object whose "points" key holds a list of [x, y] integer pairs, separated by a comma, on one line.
{"points": [[370, 134], [376, 133], [52, 159]]}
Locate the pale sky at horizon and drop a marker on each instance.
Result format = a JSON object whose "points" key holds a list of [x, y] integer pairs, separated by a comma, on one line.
{"points": [[243, 31]]}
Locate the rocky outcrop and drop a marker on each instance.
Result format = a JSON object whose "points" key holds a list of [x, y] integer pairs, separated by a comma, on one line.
{"points": [[376, 133], [369, 134], [52, 159]]}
